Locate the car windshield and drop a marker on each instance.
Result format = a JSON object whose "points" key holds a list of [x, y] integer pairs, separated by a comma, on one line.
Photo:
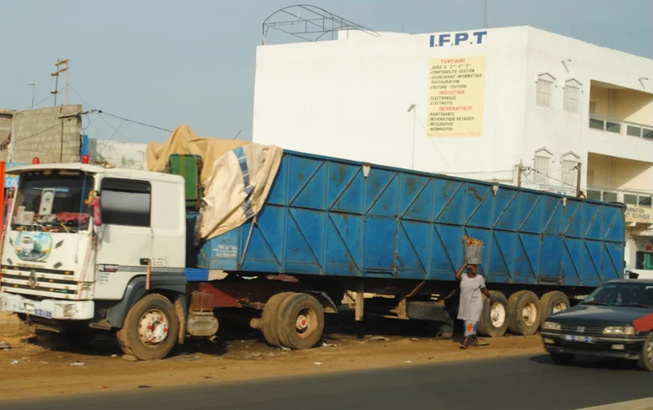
{"points": [[52, 200], [622, 294]]}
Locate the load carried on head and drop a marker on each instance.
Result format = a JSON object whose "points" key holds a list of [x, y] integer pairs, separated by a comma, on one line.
{"points": [[473, 250]]}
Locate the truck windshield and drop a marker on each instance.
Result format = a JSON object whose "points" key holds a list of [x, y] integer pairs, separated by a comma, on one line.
{"points": [[53, 200]]}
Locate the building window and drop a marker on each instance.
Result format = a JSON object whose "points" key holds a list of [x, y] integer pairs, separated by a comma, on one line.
{"points": [[594, 194], [569, 174], [609, 196], [544, 90], [572, 96], [125, 202], [541, 165]]}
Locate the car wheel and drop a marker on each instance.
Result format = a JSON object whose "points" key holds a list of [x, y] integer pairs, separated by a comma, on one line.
{"points": [[564, 359], [523, 313], [645, 361], [552, 302], [494, 319]]}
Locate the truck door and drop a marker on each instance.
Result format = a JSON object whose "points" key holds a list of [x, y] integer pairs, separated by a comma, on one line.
{"points": [[125, 236]]}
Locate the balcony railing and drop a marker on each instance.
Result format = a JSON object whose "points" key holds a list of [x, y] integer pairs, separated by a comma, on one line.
{"points": [[621, 127]]}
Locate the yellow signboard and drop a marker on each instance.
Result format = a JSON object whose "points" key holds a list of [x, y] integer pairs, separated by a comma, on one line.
{"points": [[639, 214], [456, 96]]}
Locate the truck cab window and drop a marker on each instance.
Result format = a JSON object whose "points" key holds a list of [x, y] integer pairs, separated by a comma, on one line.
{"points": [[125, 202]]}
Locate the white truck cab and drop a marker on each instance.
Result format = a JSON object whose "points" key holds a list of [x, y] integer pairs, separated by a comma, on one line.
{"points": [[84, 242]]}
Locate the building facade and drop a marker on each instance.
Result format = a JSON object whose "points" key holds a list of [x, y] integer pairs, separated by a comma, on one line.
{"points": [[515, 105]]}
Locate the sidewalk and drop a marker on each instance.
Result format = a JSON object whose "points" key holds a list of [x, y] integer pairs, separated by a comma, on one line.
{"points": [[9, 324]]}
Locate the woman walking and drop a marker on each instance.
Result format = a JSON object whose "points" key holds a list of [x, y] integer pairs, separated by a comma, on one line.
{"points": [[472, 287]]}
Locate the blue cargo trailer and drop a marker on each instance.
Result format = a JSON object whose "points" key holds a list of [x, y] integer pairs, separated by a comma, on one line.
{"points": [[93, 248], [332, 227]]}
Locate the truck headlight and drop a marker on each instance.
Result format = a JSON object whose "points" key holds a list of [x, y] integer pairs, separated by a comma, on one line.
{"points": [[550, 326], [619, 330]]}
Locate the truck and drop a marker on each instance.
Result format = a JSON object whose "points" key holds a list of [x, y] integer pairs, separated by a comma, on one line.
{"points": [[139, 253]]}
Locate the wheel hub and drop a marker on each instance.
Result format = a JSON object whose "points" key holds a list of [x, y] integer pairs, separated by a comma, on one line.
{"points": [[497, 315], [301, 324], [529, 314], [559, 307], [153, 327]]}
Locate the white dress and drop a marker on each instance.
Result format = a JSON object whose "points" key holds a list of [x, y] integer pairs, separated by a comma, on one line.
{"points": [[471, 298]]}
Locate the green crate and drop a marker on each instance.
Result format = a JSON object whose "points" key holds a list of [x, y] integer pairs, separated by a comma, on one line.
{"points": [[188, 166]]}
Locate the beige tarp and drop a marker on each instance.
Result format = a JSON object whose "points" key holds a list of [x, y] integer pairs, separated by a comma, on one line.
{"points": [[236, 176]]}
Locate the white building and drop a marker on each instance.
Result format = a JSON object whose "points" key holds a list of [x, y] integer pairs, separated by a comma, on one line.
{"points": [[476, 104]]}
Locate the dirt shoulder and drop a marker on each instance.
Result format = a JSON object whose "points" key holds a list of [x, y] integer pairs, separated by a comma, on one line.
{"points": [[34, 371]]}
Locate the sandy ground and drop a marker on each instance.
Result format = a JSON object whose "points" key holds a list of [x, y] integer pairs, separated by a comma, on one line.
{"points": [[34, 370]]}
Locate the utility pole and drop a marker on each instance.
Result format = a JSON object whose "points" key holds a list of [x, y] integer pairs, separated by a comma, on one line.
{"points": [[412, 159], [519, 171], [578, 168], [33, 85], [59, 69]]}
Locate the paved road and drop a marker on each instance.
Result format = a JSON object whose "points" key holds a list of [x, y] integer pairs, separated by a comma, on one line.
{"points": [[513, 383]]}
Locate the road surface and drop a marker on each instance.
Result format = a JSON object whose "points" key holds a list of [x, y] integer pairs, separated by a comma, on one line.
{"points": [[521, 382]]}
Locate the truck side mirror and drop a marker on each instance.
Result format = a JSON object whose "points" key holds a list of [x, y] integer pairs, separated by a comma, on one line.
{"points": [[97, 211]]}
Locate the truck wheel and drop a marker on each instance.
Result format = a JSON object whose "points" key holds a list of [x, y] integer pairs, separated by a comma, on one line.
{"points": [[269, 318], [564, 359], [552, 302], [523, 313], [494, 319], [645, 360], [150, 328], [300, 321]]}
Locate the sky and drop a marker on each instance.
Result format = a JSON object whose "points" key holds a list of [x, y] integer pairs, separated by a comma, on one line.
{"points": [[164, 63]]}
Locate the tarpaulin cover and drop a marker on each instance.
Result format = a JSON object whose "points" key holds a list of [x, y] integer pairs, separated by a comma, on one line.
{"points": [[236, 176]]}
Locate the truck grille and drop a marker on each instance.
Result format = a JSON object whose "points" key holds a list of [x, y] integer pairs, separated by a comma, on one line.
{"points": [[39, 282]]}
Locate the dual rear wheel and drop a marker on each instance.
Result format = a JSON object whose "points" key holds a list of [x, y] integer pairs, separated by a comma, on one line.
{"points": [[521, 313], [293, 320]]}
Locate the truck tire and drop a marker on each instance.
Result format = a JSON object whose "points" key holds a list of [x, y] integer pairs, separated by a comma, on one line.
{"points": [[494, 319], [552, 302], [269, 318], [523, 313], [300, 321], [150, 329], [645, 360]]}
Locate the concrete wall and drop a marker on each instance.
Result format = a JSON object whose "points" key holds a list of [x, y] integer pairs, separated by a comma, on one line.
{"points": [[116, 153], [6, 117], [619, 173], [45, 134], [350, 98]]}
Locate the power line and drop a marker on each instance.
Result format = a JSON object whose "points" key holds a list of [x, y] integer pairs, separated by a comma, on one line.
{"points": [[115, 130], [133, 121], [98, 111]]}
